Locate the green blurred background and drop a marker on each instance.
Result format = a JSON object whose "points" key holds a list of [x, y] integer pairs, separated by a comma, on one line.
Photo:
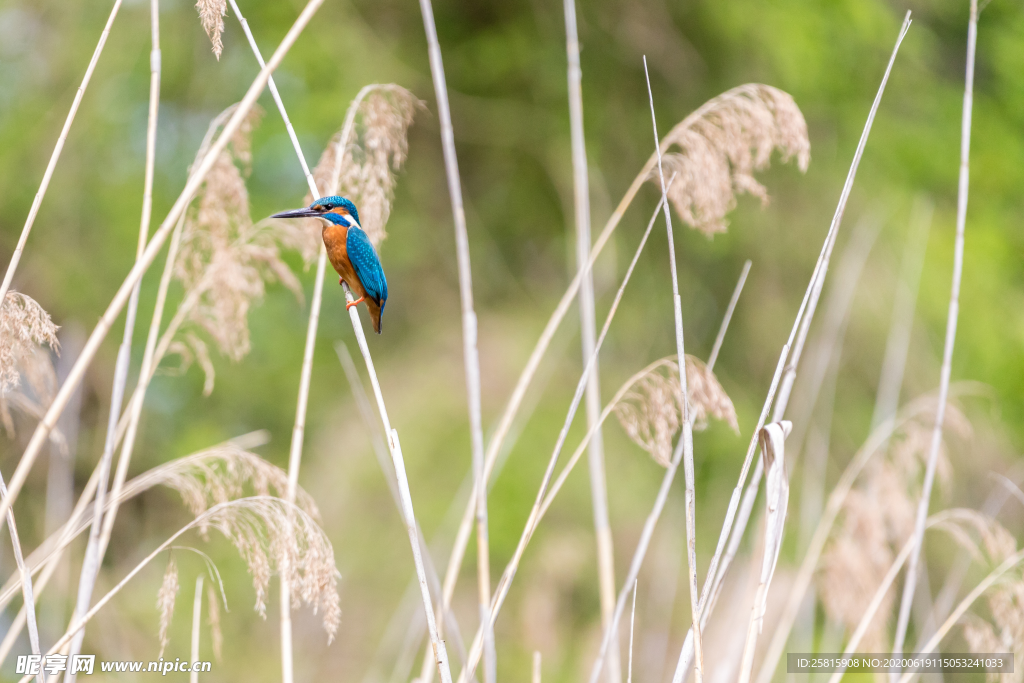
{"points": [[505, 65]]}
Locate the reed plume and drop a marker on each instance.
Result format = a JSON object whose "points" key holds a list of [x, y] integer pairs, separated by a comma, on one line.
{"points": [[224, 259], [719, 152], [165, 602], [24, 326], [376, 147], [877, 520], [651, 411], [211, 14]]}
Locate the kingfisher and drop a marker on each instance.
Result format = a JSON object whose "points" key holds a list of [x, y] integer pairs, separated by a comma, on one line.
{"points": [[350, 252]]}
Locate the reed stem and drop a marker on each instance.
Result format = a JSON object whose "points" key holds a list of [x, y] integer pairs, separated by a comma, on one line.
{"points": [[910, 582], [471, 357]]}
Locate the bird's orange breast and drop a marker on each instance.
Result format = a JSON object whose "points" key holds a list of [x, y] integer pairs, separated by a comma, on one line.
{"points": [[336, 240]]}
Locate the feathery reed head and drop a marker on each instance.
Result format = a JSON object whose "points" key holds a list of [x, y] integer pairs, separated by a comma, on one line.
{"points": [[274, 536], [722, 144], [24, 326], [224, 259], [219, 475], [363, 165], [878, 518], [651, 411], [165, 602], [211, 14]]}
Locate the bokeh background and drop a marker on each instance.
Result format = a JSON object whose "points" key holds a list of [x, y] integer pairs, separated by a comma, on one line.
{"points": [[505, 64]]}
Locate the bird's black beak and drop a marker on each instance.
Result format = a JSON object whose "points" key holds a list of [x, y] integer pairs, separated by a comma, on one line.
{"points": [[297, 213]]}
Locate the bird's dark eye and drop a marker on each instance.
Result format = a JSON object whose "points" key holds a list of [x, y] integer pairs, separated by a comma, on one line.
{"points": [[326, 207]]}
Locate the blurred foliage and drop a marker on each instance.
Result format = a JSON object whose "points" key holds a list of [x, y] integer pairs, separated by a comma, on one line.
{"points": [[505, 65]]}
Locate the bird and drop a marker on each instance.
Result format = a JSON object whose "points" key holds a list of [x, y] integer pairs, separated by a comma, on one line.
{"points": [[350, 251]]}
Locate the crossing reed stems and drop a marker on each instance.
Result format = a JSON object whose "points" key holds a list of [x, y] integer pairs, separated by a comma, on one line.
{"points": [[738, 513], [115, 307]]}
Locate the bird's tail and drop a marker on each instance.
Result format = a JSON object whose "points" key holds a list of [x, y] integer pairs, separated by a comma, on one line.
{"points": [[376, 311]]}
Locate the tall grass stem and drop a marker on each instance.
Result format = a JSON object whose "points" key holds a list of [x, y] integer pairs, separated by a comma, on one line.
{"points": [[471, 357], [595, 453], [687, 435], [910, 582]]}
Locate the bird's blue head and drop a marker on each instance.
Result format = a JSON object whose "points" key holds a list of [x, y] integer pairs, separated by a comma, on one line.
{"points": [[332, 210]]}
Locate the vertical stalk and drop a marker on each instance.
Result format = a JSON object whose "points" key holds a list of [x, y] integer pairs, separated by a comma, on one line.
{"points": [[469, 334], [595, 453], [55, 156], [305, 374], [96, 548], [910, 583], [26, 578], [197, 612], [687, 435]]}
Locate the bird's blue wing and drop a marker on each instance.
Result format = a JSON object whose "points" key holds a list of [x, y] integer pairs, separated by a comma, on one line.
{"points": [[366, 264]]}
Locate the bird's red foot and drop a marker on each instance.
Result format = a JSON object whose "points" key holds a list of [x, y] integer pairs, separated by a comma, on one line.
{"points": [[350, 304], [341, 280]]}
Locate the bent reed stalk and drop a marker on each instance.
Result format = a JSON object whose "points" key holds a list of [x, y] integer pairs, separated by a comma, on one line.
{"points": [[115, 307], [910, 583], [737, 515], [55, 155]]}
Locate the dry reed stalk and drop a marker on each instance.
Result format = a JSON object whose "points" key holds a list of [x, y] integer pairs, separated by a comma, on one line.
{"points": [[910, 583], [270, 534], [197, 613], [632, 622], [380, 450], [471, 356], [155, 244], [915, 411], [986, 583], [535, 678], [720, 337], [26, 578], [773, 449], [216, 635], [733, 106], [738, 515], [96, 545], [55, 156], [595, 457], [687, 438], [581, 184], [535, 513]]}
